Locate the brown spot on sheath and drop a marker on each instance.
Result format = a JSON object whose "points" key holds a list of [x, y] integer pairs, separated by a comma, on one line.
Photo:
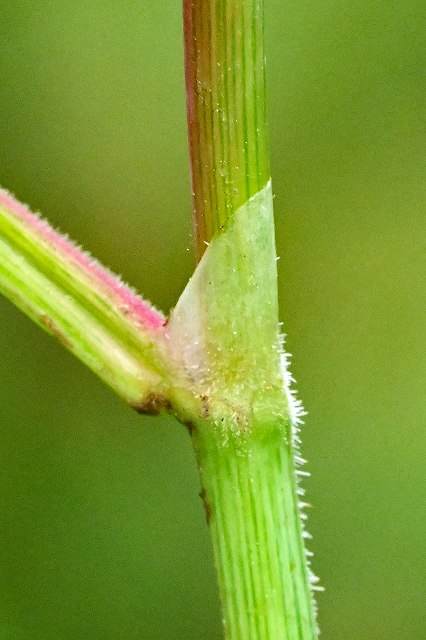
{"points": [[204, 406], [53, 329], [152, 405], [206, 505]]}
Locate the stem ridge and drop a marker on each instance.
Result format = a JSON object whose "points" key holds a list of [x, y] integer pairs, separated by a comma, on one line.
{"points": [[255, 539]]}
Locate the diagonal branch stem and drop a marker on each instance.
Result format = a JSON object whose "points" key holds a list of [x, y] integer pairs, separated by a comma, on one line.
{"points": [[92, 313]]}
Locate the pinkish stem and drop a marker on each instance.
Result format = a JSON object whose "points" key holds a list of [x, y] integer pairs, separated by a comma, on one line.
{"points": [[89, 309], [141, 311]]}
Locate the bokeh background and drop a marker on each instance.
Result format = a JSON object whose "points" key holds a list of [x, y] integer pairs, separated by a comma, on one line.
{"points": [[102, 534]]}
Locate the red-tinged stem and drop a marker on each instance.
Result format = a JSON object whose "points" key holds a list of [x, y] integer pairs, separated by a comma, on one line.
{"points": [[226, 103], [110, 285], [97, 317]]}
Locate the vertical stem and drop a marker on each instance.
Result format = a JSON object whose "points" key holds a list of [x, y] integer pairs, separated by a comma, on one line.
{"points": [[251, 504], [227, 324], [225, 78]]}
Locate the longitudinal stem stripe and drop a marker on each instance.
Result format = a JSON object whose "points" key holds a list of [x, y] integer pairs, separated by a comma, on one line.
{"points": [[225, 76], [81, 303], [255, 527]]}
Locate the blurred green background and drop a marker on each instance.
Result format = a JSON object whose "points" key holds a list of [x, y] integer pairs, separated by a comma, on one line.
{"points": [[102, 534]]}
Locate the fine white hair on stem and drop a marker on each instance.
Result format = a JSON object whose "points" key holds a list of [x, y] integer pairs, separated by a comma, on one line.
{"points": [[297, 414]]}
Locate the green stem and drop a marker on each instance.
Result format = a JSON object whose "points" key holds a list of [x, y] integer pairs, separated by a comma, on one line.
{"points": [[251, 504], [224, 330], [225, 78], [88, 309]]}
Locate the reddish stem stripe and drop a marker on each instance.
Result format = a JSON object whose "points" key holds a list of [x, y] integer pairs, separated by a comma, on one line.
{"points": [[226, 103], [109, 285]]}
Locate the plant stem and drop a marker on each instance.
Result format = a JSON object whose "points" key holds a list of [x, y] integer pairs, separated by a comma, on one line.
{"points": [[250, 501], [218, 363], [225, 79], [88, 309], [226, 324]]}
